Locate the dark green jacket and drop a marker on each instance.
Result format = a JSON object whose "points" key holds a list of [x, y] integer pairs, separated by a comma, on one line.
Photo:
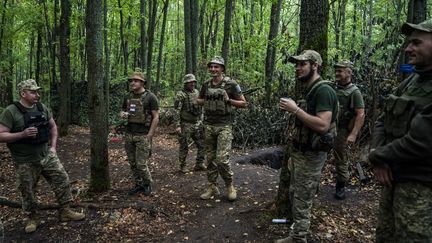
{"points": [[409, 152]]}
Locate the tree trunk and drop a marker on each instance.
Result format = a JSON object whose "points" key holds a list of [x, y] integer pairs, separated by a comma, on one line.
{"points": [[63, 118], [161, 45], [38, 55], [417, 11], [188, 37], [227, 30], [313, 27], [98, 101], [150, 34], [194, 34], [143, 37], [271, 48], [123, 41], [106, 44]]}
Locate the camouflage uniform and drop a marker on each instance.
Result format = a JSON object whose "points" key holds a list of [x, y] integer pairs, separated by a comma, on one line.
{"points": [[188, 118], [402, 141], [350, 99], [33, 159], [218, 119], [1, 232], [306, 159], [137, 145]]}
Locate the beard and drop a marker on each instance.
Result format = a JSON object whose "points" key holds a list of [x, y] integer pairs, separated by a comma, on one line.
{"points": [[306, 77]]}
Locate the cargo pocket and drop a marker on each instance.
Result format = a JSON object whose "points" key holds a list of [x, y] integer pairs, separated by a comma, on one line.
{"points": [[402, 113]]}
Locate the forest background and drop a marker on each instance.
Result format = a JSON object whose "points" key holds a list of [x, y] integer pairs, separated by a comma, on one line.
{"points": [[81, 53]]}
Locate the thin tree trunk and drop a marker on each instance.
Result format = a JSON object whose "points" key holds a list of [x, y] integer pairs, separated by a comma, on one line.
{"points": [[271, 48], [194, 33], [106, 44], [122, 40], [98, 102], [65, 79], [150, 34], [143, 37], [161, 45], [188, 36], [227, 30]]}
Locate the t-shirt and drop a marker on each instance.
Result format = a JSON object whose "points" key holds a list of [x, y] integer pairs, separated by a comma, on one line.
{"points": [[13, 119], [325, 100], [234, 92], [150, 103]]}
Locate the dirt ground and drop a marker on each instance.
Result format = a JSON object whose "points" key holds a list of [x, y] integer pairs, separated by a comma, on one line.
{"points": [[174, 212]]}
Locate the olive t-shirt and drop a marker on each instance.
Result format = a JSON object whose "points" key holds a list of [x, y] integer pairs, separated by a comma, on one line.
{"points": [[13, 119], [150, 103], [325, 100], [234, 92]]}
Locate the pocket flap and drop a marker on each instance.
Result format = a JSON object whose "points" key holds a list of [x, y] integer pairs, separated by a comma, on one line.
{"points": [[401, 106]]}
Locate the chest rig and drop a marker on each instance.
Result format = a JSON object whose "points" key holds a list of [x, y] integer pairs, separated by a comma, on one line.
{"points": [[137, 112], [190, 108], [36, 119], [302, 137], [214, 102], [346, 105], [401, 108]]}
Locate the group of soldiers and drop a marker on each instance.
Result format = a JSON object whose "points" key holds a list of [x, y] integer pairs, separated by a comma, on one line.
{"points": [[325, 117]]}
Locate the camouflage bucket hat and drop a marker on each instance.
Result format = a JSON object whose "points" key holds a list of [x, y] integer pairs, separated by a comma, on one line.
{"points": [[425, 26], [29, 84], [307, 55], [189, 78], [344, 64], [217, 60], [137, 76]]}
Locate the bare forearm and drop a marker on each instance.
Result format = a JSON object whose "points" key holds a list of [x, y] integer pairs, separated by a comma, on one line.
{"points": [[8, 137], [315, 123], [358, 124], [154, 124]]}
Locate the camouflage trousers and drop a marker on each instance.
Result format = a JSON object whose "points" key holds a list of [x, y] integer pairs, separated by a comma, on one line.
{"points": [[52, 170], [194, 131], [217, 140], [138, 151], [341, 158], [304, 169], [405, 213], [1, 232]]}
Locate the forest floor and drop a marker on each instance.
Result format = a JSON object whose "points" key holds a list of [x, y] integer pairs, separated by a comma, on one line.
{"points": [[174, 212]]}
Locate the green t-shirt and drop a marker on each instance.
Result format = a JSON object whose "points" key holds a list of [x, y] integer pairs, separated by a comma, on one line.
{"points": [[13, 119], [150, 103], [234, 92], [324, 98]]}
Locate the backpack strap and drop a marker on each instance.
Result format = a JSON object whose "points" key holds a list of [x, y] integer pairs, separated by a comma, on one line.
{"points": [[20, 107]]}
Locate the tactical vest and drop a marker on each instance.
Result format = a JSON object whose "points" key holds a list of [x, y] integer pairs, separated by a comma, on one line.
{"points": [[346, 105], [401, 108], [214, 102], [301, 135], [137, 112], [190, 110], [36, 119]]}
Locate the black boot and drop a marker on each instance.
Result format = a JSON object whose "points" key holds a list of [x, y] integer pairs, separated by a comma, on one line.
{"points": [[340, 190], [147, 190], [136, 189]]}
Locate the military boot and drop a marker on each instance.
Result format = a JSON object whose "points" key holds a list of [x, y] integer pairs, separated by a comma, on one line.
{"points": [[212, 190], [147, 189], [66, 214], [232, 193], [199, 166], [340, 190], [135, 190], [31, 224]]}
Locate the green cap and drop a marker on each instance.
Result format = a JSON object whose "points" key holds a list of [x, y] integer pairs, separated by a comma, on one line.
{"points": [[307, 55], [137, 76], [425, 26], [189, 78], [217, 60], [29, 84], [344, 64]]}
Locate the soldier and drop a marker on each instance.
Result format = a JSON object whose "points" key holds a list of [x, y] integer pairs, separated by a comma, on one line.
{"points": [[350, 120], [219, 95], [189, 123], [312, 127], [401, 152], [141, 109], [28, 129]]}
